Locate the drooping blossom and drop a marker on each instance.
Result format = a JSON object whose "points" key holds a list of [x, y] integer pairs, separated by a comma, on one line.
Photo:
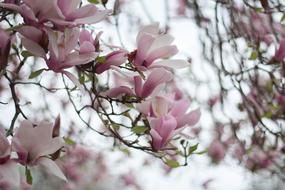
{"points": [[5, 148], [153, 48], [62, 13], [5, 43], [135, 85], [34, 144], [167, 117]]}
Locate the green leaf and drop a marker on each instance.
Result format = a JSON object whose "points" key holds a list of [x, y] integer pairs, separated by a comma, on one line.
{"points": [[69, 141], [283, 18], [29, 177], [115, 126], [101, 59], [172, 163], [192, 148], [254, 55], [201, 152], [26, 54], [82, 79], [139, 129], [93, 1], [36, 73]]}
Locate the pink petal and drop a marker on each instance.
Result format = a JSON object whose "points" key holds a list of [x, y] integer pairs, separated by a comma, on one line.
{"points": [[52, 167], [189, 119], [138, 85], [156, 140], [122, 90], [161, 41], [171, 63], [31, 33], [86, 47], [156, 77], [33, 48], [179, 108], [161, 53], [160, 106]]}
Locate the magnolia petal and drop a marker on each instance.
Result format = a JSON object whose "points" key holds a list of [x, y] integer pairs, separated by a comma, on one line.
{"points": [[86, 47], [160, 106], [33, 48], [31, 33], [161, 53], [52, 167], [51, 147], [179, 108], [172, 64], [189, 119], [161, 41], [156, 140], [138, 85], [156, 77], [118, 91]]}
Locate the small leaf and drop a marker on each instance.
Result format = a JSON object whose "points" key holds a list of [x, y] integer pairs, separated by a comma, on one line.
{"points": [[283, 18], [101, 59], [115, 126], [139, 129], [26, 54], [93, 1], [192, 148], [29, 177], [35, 73], [69, 141], [253, 55], [172, 163], [82, 79]]}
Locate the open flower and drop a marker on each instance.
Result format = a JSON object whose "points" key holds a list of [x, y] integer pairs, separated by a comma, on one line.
{"points": [[153, 46], [34, 145], [167, 117], [161, 106], [61, 13]]}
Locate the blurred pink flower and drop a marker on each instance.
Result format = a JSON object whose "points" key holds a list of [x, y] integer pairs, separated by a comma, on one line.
{"points": [[216, 151]]}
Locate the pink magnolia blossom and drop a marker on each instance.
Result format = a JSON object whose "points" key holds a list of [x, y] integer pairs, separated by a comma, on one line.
{"points": [[115, 58], [63, 54], [167, 117], [34, 144], [280, 53], [153, 46], [142, 89], [5, 148], [160, 106], [60, 12], [4, 48]]}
